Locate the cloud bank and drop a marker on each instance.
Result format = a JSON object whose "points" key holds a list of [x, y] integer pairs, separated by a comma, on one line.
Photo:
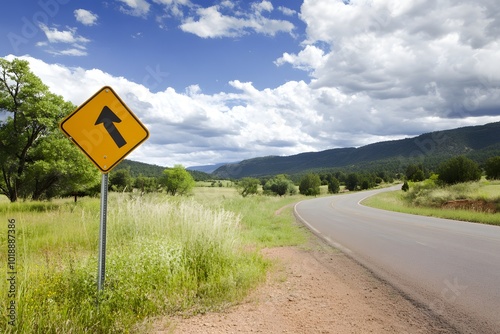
{"points": [[379, 70]]}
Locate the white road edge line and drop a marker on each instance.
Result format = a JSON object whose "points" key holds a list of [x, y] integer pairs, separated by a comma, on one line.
{"points": [[305, 221], [319, 234]]}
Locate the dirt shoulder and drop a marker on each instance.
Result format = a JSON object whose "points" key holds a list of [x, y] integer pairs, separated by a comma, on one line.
{"points": [[314, 289]]}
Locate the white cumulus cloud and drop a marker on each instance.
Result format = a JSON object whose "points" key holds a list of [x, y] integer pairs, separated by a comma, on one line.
{"points": [[394, 52], [63, 42], [210, 22], [135, 7], [193, 128], [85, 17]]}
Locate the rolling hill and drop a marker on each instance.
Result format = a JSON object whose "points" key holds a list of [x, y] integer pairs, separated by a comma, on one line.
{"points": [[140, 168], [430, 149], [206, 168]]}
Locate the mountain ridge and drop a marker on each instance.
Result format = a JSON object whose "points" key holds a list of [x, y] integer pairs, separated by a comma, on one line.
{"points": [[428, 148], [207, 168]]}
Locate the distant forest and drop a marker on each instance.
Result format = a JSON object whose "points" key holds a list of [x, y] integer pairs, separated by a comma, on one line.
{"points": [[429, 150]]}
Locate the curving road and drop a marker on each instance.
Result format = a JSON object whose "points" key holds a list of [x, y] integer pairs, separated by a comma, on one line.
{"points": [[447, 267]]}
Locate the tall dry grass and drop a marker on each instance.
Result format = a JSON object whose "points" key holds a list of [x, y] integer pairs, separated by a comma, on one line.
{"points": [[164, 256]]}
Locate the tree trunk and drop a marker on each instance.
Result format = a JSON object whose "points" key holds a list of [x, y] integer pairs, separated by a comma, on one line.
{"points": [[10, 189]]}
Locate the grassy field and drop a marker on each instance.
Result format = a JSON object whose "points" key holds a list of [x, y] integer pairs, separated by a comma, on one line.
{"points": [[165, 255], [427, 199]]}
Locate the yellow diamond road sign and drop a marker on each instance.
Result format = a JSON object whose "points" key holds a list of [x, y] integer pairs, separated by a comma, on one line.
{"points": [[105, 129]]}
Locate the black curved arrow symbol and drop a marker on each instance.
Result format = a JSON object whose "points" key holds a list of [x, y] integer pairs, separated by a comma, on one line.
{"points": [[109, 118]]}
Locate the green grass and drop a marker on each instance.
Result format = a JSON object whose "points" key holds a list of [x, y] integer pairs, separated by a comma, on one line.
{"points": [[425, 199], [262, 226], [214, 183], [165, 255]]}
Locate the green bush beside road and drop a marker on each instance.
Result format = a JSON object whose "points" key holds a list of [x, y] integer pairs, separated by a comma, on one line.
{"points": [[428, 199]]}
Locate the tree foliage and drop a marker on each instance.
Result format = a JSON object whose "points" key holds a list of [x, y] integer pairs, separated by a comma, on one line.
{"points": [[352, 182], [310, 185], [280, 185], [58, 169], [177, 180], [492, 168], [121, 180], [35, 158], [405, 186], [248, 186], [333, 184], [146, 184], [415, 173], [459, 169], [365, 184]]}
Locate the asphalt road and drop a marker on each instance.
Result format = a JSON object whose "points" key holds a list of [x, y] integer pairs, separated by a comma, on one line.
{"points": [[447, 267]]}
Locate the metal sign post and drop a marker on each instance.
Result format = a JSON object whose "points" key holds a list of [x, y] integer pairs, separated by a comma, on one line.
{"points": [[102, 233], [106, 131]]}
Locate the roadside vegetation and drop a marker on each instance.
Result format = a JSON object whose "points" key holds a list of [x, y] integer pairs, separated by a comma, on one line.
{"points": [[173, 254], [165, 255], [465, 201], [457, 192]]}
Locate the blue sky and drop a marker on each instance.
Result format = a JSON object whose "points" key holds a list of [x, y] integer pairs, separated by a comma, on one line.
{"points": [[124, 39], [223, 81]]}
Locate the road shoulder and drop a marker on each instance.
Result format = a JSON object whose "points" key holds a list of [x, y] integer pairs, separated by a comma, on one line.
{"points": [[314, 289]]}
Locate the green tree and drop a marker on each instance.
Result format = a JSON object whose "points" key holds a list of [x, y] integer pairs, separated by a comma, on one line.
{"points": [[34, 162], [341, 176], [365, 184], [310, 185], [177, 180], [333, 184], [415, 173], [248, 186], [280, 185], [58, 169], [492, 168], [146, 184], [120, 180], [459, 169], [385, 176], [352, 182]]}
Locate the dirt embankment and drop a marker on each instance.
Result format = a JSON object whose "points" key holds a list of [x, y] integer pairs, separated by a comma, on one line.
{"points": [[472, 205], [314, 290]]}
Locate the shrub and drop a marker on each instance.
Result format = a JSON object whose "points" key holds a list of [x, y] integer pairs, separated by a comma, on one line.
{"points": [[459, 169], [352, 181], [415, 173], [177, 180], [429, 194], [333, 185], [310, 185], [279, 185], [492, 168], [405, 187], [248, 186]]}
